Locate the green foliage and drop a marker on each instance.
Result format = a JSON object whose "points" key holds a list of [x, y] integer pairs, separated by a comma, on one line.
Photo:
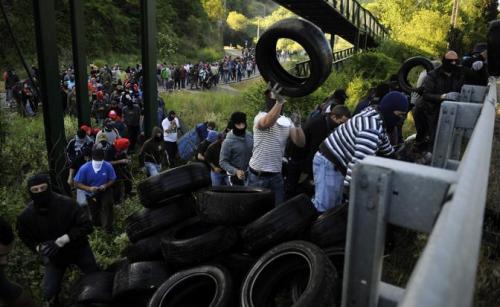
{"points": [[214, 9], [237, 21]]}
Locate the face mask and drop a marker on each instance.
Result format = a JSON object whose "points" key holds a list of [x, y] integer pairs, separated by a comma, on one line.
{"points": [[108, 129], [41, 201], [97, 165], [239, 132], [171, 118], [450, 65]]}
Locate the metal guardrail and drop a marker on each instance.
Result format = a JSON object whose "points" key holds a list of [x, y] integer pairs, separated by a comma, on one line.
{"points": [[446, 201], [362, 18], [302, 69]]}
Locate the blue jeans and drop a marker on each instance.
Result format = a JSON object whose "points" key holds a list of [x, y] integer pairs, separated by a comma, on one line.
{"points": [[328, 184], [274, 183], [152, 169], [217, 178]]}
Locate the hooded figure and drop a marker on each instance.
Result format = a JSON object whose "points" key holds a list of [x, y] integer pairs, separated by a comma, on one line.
{"points": [[393, 108], [152, 154], [236, 149], [56, 228]]}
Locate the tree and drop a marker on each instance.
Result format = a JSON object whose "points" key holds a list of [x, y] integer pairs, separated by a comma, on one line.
{"points": [[236, 21], [214, 9]]}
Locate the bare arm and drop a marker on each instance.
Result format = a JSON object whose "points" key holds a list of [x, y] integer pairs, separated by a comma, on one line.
{"points": [[270, 118], [298, 137]]}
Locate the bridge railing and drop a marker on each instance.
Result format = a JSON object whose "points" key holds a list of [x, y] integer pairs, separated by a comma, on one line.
{"points": [[446, 201], [362, 18], [302, 69]]}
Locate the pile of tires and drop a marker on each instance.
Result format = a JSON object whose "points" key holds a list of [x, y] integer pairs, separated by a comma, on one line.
{"points": [[196, 245]]}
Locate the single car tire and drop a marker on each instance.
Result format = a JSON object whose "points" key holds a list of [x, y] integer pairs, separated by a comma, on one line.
{"points": [[204, 285], [147, 249], [407, 66], [283, 223], [95, 288], [194, 241], [280, 268], [314, 42], [330, 228], [135, 284], [175, 181], [233, 205], [147, 222], [238, 265]]}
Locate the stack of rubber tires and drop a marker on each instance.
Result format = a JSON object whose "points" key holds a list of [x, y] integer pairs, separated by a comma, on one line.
{"points": [[196, 245]]}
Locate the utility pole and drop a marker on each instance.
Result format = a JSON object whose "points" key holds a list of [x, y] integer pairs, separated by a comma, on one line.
{"points": [[453, 33]]}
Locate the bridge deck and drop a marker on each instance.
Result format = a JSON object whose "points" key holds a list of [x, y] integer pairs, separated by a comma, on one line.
{"points": [[343, 17]]}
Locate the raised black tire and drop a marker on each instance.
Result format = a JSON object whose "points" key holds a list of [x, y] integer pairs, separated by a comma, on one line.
{"points": [[204, 285], [285, 222], [407, 66], [330, 228], [147, 222], [147, 249], [180, 180], [194, 241], [276, 273], [95, 288], [135, 284], [233, 205], [312, 39]]}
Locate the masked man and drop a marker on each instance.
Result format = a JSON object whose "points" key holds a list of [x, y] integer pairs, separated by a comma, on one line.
{"points": [[95, 178], [56, 228]]}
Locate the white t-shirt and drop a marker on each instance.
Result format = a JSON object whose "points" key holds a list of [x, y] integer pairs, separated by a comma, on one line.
{"points": [[269, 144], [170, 129]]}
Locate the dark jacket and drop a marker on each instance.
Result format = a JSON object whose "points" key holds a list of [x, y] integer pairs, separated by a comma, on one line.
{"points": [[236, 152], [64, 216], [153, 151], [131, 115], [438, 83], [316, 130], [212, 154]]}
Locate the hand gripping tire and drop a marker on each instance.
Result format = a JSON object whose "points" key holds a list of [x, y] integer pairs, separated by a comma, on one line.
{"points": [[330, 227], [204, 285], [233, 205], [407, 66], [312, 39], [135, 284], [276, 274], [147, 222], [180, 180], [95, 288], [194, 241], [283, 223]]}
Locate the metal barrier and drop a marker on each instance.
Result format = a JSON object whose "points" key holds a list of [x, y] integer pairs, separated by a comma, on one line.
{"points": [[446, 201], [362, 18], [302, 69]]}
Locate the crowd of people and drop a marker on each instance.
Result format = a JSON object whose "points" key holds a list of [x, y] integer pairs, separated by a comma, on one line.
{"points": [[285, 154]]}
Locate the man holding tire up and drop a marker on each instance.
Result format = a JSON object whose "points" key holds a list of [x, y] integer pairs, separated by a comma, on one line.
{"points": [[363, 135], [271, 131]]}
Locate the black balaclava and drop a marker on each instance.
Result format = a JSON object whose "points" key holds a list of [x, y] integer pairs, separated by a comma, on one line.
{"points": [[448, 65], [40, 200], [238, 118], [171, 116]]}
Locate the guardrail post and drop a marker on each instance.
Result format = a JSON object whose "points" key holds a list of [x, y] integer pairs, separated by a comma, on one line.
{"points": [[364, 249]]}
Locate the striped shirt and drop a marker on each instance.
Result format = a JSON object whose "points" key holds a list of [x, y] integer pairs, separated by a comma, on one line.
{"points": [[363, 135], [268, 146]]}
